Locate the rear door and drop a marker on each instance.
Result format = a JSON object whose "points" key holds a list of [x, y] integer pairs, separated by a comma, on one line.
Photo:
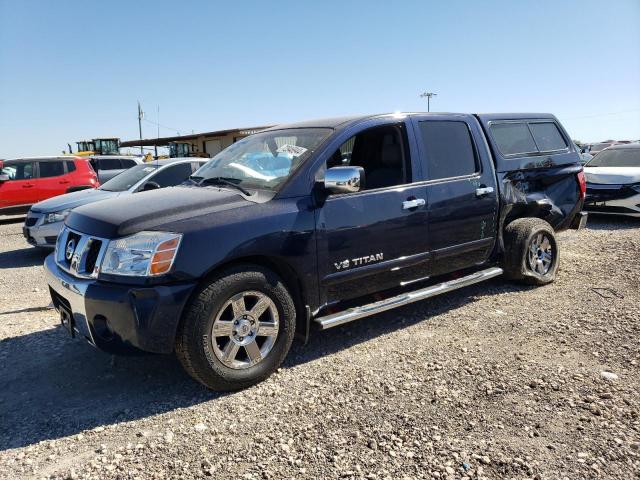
{"points": [[462, 191], [377, 238], [20, 189], [52, 179]]}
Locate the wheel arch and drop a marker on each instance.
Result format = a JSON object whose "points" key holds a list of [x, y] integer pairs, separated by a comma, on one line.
{"points": [[281, 268]]}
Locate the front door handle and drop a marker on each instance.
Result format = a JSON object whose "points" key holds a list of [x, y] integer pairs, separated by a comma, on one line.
{"points": [[415, 203], [27, 186], [481, 192]]}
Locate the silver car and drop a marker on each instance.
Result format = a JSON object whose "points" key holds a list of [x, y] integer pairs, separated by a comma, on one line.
{"points": [[613, 181], [45, 219]]}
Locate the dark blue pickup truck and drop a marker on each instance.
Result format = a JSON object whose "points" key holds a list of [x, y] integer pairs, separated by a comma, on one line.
{"points": [[312, 225]]}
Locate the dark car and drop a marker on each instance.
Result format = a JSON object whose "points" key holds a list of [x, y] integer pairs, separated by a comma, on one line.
{"points": [[316, 224]]}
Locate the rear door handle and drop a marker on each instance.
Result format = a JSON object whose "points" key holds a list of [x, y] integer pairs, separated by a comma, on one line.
{"points": [[481, 192], [409, 204], [27, 186], [64, 182]]}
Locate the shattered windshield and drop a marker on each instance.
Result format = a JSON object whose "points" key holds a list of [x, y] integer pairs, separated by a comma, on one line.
{"points": [[264, 160]]}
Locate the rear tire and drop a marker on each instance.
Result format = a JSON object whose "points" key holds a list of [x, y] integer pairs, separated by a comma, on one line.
{"points": [[531, 251], [237, 329]]}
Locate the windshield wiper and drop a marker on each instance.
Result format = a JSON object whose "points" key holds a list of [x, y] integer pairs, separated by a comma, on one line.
{"points": [[223, 181]]}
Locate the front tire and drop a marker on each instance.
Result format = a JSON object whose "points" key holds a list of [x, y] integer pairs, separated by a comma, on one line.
{"points": [[531, 251], [238, 328]]}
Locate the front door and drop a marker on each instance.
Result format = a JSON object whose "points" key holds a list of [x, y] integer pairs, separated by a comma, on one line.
{"points": [[377, 238], [462, 191], [20, 189]]}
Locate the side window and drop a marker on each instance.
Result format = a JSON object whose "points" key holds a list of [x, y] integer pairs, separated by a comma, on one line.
{"points": [[128, 163], [449, 149], [381, 152], [51, 169], [173, 175], [109, 164], [18, 170], [547, 136], [513, 138], [71, 167]]}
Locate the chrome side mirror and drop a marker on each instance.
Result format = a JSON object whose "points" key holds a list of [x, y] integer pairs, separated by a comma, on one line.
{"points": [[344, 179]]}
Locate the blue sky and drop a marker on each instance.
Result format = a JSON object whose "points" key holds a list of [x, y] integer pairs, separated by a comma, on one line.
{"points": [[74, 69]]}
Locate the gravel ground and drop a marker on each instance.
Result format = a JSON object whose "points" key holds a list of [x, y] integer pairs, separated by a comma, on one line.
{"points": [[493, 381]]}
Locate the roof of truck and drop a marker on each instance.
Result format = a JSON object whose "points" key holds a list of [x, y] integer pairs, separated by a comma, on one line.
{"points": [[341, 122]]}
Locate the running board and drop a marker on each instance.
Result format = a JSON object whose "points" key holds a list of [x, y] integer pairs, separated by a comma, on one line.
{"points": [[356, 313]]}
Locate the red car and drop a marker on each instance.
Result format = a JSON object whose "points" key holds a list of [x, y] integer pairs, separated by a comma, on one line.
{"points": [[26, 181]]}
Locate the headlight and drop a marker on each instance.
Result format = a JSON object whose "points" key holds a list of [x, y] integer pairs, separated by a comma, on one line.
{"points": [[56, 216], [140, 255], [636, 187]]}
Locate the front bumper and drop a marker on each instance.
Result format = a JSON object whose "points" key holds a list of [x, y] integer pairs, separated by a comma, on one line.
{"points": [[119, 318], [612, 200], [38, 233]]}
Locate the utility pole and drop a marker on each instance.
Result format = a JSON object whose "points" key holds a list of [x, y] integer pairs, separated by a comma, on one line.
{"points": [[156, 147], [428, 95], [140, 117]]}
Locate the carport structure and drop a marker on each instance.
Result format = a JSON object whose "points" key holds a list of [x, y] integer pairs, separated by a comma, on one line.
{"points": [[205, 144]]}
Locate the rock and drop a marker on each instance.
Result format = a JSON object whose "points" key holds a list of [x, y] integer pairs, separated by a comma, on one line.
{"points": [[199, 427], [372, 444], [610, 376], [168, 437]]}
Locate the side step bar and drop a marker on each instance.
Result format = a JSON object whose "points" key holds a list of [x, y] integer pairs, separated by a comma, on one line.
{"points": [[356, 313]]}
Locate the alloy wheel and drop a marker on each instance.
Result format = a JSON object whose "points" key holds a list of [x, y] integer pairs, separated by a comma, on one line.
{"points": [[245, 329]]}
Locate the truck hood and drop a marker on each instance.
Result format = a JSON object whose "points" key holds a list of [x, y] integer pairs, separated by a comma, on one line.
{"points": [[612, 175], [148, 210], [72, 200]]}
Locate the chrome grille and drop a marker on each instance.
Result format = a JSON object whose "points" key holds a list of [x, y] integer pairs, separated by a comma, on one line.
{"points": [[80, 254]]}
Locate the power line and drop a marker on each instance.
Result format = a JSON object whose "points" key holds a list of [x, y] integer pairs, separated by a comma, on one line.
{"points": [[163, 126], [604, 114]]}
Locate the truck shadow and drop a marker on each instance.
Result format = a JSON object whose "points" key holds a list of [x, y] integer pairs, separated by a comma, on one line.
{"points": [[25, 257], [52, 387], [612, 222]]}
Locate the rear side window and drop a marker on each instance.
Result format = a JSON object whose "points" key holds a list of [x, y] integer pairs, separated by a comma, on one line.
{"points": [[71, 167], [449, 149], [547, 136], [513, 138], [173, 175], [519, 138], [51, 169], [128, 163], [109, 164]]}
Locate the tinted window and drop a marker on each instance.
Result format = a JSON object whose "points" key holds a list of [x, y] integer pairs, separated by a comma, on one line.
{"points": [[449, 149], [18, 170], [128, 178], [173, 175], [51, 169], [513, 137], [547, 136], [109, 164], [71, 167], [128, 163]]}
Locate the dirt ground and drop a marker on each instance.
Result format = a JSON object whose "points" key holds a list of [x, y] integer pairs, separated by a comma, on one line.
{"points": [[493, 381]]}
